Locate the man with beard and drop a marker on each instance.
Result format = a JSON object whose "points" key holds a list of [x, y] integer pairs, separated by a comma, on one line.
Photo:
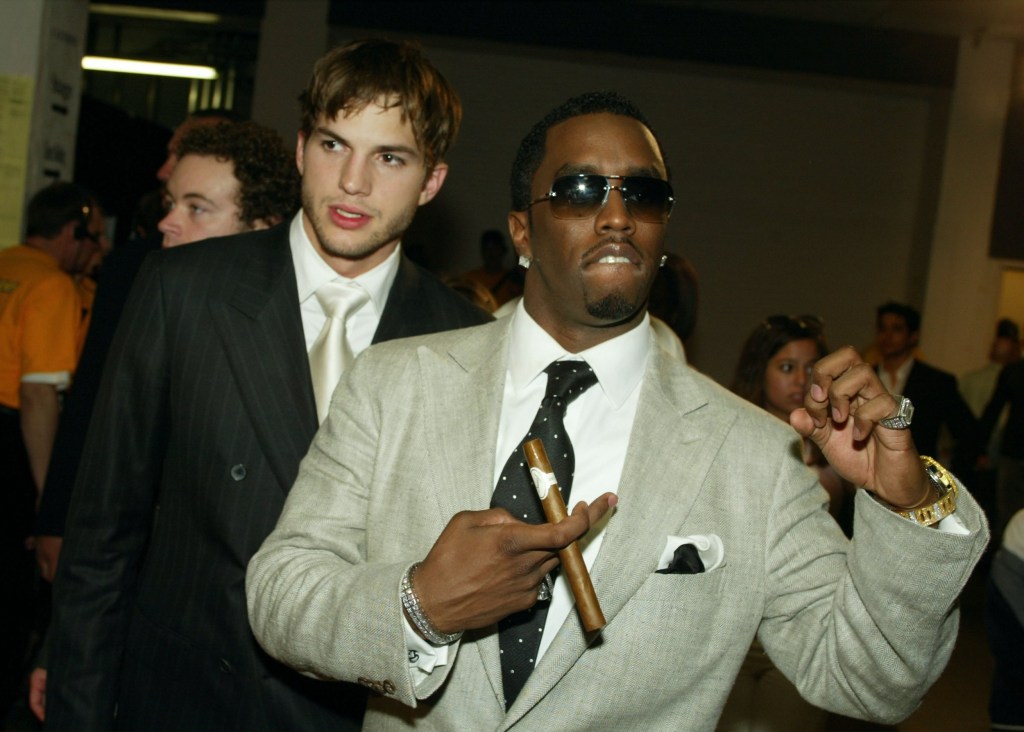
{"points": [[210, 396], [396, 565]]}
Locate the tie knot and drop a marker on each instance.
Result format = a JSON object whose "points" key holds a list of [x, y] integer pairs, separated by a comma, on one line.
{"points": [[338, 299], [567, 380]]}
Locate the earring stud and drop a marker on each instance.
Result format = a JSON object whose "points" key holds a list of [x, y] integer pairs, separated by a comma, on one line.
{"points": [[524, 261]]}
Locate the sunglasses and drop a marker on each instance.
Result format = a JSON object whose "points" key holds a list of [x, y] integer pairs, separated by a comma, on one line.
{"points": [[582, 196], [809, 323]]}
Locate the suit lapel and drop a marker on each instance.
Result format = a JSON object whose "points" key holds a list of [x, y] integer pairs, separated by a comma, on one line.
{"points": [[676, 436], [464, 388], [261, 329]]}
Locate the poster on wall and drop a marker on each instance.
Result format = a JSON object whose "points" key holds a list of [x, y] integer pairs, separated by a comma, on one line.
{"points": [[58, 93], [16, 93]]}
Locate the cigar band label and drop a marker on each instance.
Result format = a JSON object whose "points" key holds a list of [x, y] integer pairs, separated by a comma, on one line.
{"points": [[542, 481]]}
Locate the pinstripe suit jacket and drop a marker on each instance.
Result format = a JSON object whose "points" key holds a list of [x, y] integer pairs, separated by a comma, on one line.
{"points": [[863, 628], [205, 410]]}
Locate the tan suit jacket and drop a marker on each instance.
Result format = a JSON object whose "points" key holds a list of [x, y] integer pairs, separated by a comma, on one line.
{"points": [[862, 628]]}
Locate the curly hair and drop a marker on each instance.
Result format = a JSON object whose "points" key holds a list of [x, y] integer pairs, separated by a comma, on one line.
{"points": [[532, 148], [269, 185], [768, 338], [373, 70]]}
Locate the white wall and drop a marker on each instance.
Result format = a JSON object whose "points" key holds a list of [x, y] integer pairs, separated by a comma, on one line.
{"points": [[964, 283]]}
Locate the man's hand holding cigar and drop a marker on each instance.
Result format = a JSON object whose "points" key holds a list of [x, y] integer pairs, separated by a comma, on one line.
{"points": [[486, 565]]}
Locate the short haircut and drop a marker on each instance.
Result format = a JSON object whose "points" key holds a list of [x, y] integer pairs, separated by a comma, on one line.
{"points": [[532, 148], [54, 206], [375, 71], [768, 338], [910, 316], [1006, 328], [269, 185]]}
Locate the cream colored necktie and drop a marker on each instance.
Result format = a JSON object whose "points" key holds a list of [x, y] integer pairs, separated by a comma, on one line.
{"points": [[330, 354]]}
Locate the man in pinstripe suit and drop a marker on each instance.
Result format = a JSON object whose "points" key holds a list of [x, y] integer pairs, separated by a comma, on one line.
{"points": [[207, 406]]}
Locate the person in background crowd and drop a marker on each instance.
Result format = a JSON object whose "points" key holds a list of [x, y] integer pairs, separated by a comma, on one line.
{"points": [[41, 314], [933, 392], [1004, 623], [230, 177], [503, 282]]}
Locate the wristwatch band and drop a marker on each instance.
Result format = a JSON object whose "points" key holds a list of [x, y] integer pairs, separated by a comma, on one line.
{"points": [[945, 506]]}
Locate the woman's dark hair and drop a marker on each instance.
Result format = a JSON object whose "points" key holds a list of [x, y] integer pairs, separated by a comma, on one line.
{"points": [[768, 338]]}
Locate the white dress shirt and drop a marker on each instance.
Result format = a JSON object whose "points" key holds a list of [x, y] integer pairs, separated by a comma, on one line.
{"points": [[599, 423], [311, 271], [897, 382]]}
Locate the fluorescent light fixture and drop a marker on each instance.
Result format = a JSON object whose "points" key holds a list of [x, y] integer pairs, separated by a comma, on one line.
{"points": [[126, 11], [130, 66]]}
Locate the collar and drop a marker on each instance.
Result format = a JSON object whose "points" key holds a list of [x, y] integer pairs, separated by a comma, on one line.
{"points": [[41, 255], [619, 363], [311, 271], [902, 371]]}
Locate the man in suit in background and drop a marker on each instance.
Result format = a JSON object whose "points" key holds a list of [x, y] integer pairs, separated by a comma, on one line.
{"points": [[234, 177], [229, 177], [388, 568], [934, 392], [207, 405], [114, 282]]}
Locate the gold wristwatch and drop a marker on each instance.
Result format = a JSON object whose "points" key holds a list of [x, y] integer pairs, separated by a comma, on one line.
{"points": [[946, 486]]}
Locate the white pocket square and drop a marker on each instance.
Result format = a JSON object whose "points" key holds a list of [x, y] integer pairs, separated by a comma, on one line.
{"points": [[709, 548]]}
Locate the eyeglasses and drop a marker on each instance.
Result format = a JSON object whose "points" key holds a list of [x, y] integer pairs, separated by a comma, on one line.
{"points": [[582, 196], [809, 323]]}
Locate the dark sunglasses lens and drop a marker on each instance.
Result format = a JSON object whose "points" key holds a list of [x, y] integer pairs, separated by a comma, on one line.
{"points": [[648, 199], [581, 196], [577, 196]]}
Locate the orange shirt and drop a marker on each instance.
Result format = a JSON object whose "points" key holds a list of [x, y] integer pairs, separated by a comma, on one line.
{"points": [[40, 320]]}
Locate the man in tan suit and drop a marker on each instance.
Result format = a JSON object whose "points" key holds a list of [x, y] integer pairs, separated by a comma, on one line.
{"points": [[388, 567]]}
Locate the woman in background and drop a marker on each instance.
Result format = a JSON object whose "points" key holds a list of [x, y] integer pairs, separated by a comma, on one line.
{"points": [[774, 373]]}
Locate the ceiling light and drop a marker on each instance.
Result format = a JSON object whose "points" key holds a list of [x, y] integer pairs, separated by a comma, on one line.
{"points": [[155, 13], [131, 66]]}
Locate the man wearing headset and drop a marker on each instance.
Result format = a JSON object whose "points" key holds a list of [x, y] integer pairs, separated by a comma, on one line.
{"points": [[41, 313]]}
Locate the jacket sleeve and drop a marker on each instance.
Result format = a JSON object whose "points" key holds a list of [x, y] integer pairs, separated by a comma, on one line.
{"points": [[310, 588], [112, 509], [869, 640]]}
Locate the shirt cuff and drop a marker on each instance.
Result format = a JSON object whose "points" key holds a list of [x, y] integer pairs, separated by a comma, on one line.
{"points": [[952, 524], [423, 657], [59, 379]]}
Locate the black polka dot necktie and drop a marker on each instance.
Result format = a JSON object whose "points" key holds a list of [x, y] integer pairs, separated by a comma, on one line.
{"points": [[519, 634]]}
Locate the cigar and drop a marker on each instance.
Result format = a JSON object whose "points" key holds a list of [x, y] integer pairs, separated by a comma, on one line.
{"points": [[571, 557]]}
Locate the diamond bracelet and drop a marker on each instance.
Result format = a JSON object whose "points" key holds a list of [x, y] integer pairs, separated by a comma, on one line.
{"points": [[411, 603]]}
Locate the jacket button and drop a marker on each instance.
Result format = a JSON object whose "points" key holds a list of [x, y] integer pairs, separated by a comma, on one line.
{"points": [[225, 666], [238, 472]]}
